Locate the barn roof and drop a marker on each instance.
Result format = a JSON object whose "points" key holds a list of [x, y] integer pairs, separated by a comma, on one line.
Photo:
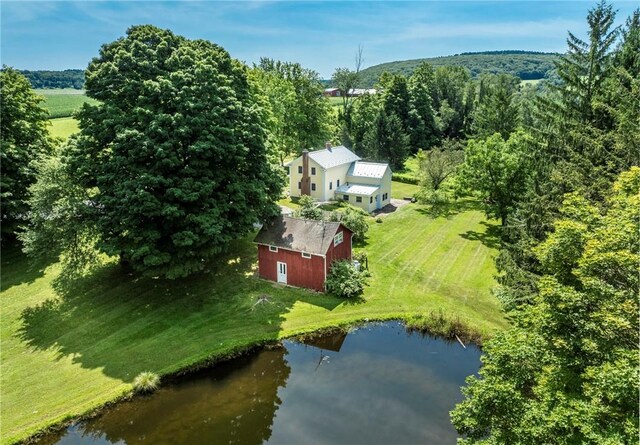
{"points": [[330, 157], [368, 169], [302, 235]]}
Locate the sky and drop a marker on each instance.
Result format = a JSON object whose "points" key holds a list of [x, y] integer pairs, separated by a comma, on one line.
{"points": [[322, 36]]}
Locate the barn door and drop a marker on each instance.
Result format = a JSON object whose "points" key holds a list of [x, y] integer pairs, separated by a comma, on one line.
{"points": [[282, 272]]}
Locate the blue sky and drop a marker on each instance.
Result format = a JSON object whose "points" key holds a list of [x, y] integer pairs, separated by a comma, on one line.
{"points": [[319, 35]]}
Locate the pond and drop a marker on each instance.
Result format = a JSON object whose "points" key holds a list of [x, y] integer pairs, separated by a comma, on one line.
{"points": [[377, 384]]}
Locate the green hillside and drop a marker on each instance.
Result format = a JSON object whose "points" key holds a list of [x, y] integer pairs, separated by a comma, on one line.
{"points": [[526, 65]]}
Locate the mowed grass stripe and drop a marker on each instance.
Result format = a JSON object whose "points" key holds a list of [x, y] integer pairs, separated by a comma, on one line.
{"points": [[67, 351]]}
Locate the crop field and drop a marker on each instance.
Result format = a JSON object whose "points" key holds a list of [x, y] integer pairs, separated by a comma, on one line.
{"points": [[63, 102], [63, 127]]}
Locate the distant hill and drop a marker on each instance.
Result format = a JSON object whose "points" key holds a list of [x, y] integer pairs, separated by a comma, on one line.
{"points": [[527, 65], [55, 79]]}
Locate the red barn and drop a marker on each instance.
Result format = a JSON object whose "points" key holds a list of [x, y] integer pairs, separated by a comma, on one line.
{"points": [[299, 252]]}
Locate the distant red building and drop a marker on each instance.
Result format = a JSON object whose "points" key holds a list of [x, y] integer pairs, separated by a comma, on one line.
{"points": [[299, 252]]}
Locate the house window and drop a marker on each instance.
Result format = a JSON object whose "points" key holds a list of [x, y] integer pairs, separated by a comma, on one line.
{"points": [[384, 197], [299, 184], [306, 255], [273, 249], [313, 170], [313, 186], [300, 169], [330, 185], [370, 199], [345, 197], [338, 183], [337, 239], [358, 198]]}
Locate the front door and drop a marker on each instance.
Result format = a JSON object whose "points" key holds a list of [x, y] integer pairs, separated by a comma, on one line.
{"points": [[377, 201], [282, 272]]}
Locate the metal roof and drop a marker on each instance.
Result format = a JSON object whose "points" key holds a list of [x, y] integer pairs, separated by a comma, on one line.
{"points": [[302, 235], [368, 169], [331, 157], [357, 189]]}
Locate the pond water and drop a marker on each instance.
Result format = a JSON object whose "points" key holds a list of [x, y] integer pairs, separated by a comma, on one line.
{"points": [[379, 384]]}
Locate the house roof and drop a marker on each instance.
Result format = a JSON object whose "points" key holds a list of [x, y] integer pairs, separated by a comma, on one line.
{"points": [[368, 169], [357, 189], [301, 235], [331, 157]]}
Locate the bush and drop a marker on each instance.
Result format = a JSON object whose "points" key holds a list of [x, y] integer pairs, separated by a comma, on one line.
{"points": [[406, 178], [345, 281], [308, 209], [146, 382], [355, 219]]}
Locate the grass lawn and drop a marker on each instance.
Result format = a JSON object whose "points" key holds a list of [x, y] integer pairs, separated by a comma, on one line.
{"points": [[68, 348], [63, 127], [63, 102], [400, 190]]}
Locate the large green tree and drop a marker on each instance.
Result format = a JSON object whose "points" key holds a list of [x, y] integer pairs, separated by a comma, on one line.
{"points": [[424, 132], [567, 372], [23, 137], [496, 110], [453, 96], [387, 140], [174, 154], [496, 171], [306, 117]]}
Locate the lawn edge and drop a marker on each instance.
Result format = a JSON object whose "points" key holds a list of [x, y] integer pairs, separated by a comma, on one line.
{"points": [[439, 324]]}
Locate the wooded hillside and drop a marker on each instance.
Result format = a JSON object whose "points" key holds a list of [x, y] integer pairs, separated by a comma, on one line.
{"points": [[55, 79], [523, 64]]}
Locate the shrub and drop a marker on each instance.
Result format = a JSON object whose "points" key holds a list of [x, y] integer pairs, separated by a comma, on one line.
{"points": [[406, 178], [345, 281], [308, 209], [355, 219], [146, 382]]}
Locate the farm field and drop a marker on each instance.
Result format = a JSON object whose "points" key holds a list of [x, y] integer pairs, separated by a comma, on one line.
{"points": [[68, 348], [63, 102], [63, 127]]}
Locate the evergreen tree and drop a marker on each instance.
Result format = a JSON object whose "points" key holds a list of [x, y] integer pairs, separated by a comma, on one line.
{"points": [[387, 140], [24, 137], [423, 131], [496, 110]]}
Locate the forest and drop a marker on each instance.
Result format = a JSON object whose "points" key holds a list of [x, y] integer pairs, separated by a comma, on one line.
{"points": [[526, 65], [55, 79], [150, 181]]}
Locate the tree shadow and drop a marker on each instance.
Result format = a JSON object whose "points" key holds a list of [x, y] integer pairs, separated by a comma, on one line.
{"points": [[16, 268], [450, 208], [490, 237], [126, 324]]}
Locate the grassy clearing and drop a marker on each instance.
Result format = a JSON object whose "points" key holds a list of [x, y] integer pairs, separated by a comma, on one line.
{"points": [[63, 102], [68, 348], [400, 190], [63, 127]]}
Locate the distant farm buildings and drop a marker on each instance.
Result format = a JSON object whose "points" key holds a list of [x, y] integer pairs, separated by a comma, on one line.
{"points": [[353, 92]]}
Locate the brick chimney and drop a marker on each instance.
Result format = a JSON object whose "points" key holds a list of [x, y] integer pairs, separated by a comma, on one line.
{"points": [[306, 180], [327, 145]]}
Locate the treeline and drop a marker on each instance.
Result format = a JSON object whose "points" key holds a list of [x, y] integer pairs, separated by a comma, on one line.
{"points": [[55, 79], [522, 64], [565, 186], [431, 108]]}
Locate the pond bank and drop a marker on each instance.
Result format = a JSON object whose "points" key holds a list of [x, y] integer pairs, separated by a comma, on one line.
{"points": [[301, 391], [76, 347]]}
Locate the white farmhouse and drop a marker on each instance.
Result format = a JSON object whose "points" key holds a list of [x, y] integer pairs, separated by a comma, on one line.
{"points": [[338, 173]]}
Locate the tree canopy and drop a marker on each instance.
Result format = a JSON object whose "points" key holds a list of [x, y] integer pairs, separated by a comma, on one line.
{"points": [[568, 371], [24, 133], [174, 154]]}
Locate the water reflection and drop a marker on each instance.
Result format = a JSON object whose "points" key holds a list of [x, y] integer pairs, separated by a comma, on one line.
{"points": [[379, 384]]}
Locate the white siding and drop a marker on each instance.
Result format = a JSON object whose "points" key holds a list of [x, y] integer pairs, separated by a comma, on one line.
{"points": [[317, 179], [332, 175]]}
